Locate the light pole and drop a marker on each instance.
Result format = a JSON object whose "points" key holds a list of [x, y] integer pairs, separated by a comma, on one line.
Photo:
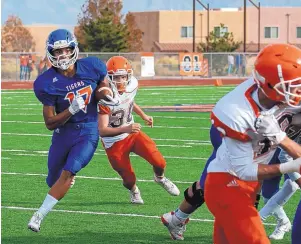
{"points": [[287, 28], [193, 20], [245, 22]]}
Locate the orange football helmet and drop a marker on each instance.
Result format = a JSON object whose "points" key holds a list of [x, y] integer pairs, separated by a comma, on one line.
{"points": [[278, 73], [119, 72]]}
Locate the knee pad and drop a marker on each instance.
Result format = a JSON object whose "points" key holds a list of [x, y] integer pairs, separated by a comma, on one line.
{"points": [[198, 196]]}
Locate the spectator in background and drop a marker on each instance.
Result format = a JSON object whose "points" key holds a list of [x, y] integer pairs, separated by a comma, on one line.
{"points": [[243, 65], [43, 65], [30, 67], [230, 64], [237, 64], [23, 65]]}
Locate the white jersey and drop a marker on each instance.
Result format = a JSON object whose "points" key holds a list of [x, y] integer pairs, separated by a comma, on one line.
{"points": [[120, 115], [234, 116]]}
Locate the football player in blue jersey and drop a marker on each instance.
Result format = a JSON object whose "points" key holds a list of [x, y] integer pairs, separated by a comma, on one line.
{"points": [[66, 91], [296, 233]]}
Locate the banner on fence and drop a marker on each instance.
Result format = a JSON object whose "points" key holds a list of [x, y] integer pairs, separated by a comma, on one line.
{"points": [[147, 65], [193, 64]]}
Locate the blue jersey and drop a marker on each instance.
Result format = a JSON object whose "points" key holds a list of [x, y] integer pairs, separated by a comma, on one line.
{"points": [[54, 89]]}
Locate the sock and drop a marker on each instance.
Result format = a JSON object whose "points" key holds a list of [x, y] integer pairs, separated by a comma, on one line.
{"points": [[181, 215], [47, 205], [286, 192], [159, 178], [275, 203], [135, 189], [280, 214]]}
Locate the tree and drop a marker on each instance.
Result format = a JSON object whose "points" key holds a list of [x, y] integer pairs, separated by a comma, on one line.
{"points": [[15, 37], [102, 35], [219, 43], [135, 34], [101, 28]]}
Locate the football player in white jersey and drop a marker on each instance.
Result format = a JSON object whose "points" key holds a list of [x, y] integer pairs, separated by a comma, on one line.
{"points": [[121, 135], [235, 172]]}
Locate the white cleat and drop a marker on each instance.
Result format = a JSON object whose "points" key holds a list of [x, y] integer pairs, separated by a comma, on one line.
{"points": [[281, 229], [170, 187], [136, 197], [176, 228], [35, 222]]}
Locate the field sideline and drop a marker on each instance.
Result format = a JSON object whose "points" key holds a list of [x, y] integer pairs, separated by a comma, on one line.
{"points": [[97, 208]]}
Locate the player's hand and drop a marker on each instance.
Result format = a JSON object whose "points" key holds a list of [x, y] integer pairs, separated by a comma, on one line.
{"points": [[267, 125], [148, 120], [111, 100], [77, 104], [133, 128]]}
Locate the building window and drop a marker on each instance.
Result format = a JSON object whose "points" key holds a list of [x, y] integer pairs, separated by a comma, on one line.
{"points": [[186, 31], [220, 31], [270, 32], [298, 32]]}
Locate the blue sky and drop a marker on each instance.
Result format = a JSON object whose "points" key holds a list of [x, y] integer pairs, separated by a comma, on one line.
{"points": [[65, 12]]}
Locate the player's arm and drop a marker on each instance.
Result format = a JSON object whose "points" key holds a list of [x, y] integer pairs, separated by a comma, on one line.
{"points": [[292, 148], [52, 120], [241, 159], [148, 119], [106, 131]]}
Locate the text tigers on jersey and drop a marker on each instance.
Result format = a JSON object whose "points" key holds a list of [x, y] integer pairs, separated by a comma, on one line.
{"points": [[75, 85]]}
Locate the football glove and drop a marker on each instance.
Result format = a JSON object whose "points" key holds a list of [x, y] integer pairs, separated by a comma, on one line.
{"points": [[77, 104]]}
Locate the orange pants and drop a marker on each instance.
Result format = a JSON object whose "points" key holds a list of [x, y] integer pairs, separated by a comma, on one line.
{"points": [[231, 201], [140, 144]]}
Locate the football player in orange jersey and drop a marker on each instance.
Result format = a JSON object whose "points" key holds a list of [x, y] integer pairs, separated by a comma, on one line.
{"points": [[251, 134], [121, 135]]}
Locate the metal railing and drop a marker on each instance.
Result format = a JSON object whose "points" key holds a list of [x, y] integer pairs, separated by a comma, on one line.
{"points": [[167, 65]]}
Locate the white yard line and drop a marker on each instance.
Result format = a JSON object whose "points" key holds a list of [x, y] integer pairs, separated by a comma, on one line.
{"points": [[106, 213], [156, 139], [158, 126], [36, 153], [90, 177]]}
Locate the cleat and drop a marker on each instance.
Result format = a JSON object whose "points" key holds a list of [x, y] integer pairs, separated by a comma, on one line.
{"points": [[135, 197], [170, 187], [175, 227], [280, 230], [35, 222]]}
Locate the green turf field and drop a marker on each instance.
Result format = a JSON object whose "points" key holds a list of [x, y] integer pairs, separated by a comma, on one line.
{"points": [[97, 208]]}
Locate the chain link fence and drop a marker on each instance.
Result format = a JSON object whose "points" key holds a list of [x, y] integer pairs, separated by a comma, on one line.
{"points": [[167, 65]]}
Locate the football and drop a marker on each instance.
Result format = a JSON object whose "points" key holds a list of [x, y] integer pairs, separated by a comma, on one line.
{"points": [[101, 91]]}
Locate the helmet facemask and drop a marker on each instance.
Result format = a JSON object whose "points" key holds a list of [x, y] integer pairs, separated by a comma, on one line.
{"points": [[120, 79], [63, 61], [289, 89]]}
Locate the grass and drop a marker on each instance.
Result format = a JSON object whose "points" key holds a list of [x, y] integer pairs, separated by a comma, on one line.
{"points": [[97, 209]]}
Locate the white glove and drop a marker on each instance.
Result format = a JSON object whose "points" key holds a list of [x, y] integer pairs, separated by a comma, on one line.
{"points": [[291, 166], [267, 125], [77, 104], [113, 101]]}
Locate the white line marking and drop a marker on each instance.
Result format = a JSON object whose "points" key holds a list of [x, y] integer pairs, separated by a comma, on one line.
{"points": [[106, 213], [19, 108], [89, 177], [155, 116], [156, 139], [44, 153], [178, 117], [159, 126]]}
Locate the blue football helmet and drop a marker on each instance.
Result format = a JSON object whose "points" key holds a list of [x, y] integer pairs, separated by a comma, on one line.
{"points": [[58, 39]]}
